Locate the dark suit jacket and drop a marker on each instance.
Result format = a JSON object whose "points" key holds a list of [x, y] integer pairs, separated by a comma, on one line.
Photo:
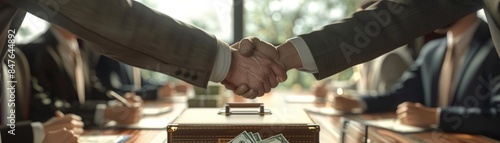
{"points": [[109, 70], [475, 105], [55, 89]]}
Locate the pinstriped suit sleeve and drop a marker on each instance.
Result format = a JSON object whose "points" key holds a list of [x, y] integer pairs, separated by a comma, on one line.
{"points": [[134, 34], [379, 29]]}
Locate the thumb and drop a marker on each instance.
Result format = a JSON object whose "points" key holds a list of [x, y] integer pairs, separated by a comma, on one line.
{"points": [[59, 114], [265, 48], [245, 47]]}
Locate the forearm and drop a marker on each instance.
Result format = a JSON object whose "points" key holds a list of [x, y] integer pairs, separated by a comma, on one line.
{"points": [[380, 29], [121, 30]]}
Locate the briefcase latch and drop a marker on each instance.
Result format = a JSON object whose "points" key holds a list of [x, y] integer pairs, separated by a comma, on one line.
{"points": [[227, 109]]}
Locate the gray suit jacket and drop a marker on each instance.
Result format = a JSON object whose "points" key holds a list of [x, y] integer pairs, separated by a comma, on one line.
{"points": [[387, 25], [130, 32]]}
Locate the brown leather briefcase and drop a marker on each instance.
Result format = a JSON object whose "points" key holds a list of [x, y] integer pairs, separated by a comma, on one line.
{"points": [[197, 125]]}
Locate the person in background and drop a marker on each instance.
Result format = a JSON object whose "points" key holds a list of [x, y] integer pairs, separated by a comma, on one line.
{"points": [[15, 108], [62, 80], [123, 78], [453, 77]]}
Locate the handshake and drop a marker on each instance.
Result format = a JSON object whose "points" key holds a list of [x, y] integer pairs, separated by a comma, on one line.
{"points": [[257, 66]]}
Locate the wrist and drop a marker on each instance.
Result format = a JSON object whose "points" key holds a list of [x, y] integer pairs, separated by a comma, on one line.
{"points": [[288, 56]]}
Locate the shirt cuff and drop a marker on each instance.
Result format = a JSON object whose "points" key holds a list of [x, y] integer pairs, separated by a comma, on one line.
{"points": [[222, 62], [308, 63], [38, 132], [438, 117], [99, 114]]}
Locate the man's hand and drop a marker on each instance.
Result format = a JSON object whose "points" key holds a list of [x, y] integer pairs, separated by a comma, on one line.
{"points": [[123, 114], [320, 90], [257, 72], [60, 136], [344, 104], [70, 122], [416, 114], [167, 90], [285, 56]]}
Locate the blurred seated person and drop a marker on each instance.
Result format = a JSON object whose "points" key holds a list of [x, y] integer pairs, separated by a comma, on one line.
{"points": [[123, 78], [62, 80], [453, 84], [14, 113]]}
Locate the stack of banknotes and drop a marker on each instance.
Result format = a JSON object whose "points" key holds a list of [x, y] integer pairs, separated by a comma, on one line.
{"points": [[249, 137]]}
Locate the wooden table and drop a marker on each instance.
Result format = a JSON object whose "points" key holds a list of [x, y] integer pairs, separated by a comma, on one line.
{"points": [[332, 127]]}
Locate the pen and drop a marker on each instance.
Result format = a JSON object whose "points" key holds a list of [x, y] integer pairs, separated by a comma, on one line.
{"points": [[119, 98]]}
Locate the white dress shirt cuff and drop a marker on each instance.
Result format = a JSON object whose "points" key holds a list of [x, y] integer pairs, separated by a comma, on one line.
{"points": [[222, 62], [308, 63], [38, 132], [99, 114], [438, 117]]}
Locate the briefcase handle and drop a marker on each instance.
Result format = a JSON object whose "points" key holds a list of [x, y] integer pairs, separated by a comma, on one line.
{"points": [[262, 110]]}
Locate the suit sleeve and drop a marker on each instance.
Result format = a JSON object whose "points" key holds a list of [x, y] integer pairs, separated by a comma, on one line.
{"points": [[23, 133], [121, 29], [379, 29]]}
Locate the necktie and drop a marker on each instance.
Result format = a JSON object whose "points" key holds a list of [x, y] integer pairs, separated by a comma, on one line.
{"points": [[446, 78], [79, 79]]}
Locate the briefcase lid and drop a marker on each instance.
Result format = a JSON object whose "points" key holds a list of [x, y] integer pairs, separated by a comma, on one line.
{"points": [[243, 116]]}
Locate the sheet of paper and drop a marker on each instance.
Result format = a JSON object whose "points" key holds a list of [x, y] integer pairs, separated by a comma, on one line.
{"points": [[324, 111], [145, 123], [395, 125], [155, 110], [300, 98], [103, 138]]}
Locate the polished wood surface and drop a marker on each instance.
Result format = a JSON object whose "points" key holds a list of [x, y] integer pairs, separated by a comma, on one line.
{"points": [[334, 129]]}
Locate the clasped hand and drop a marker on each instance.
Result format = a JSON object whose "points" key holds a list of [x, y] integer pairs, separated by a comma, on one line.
{"points": [[256, 67]]}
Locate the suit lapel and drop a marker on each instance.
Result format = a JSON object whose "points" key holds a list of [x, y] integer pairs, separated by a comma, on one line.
{"points": [[480, 47], [435, 67], [473, 49], [470, 72]]}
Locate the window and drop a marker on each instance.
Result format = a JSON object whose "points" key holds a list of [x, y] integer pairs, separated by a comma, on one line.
{"points": [[277, 20], [213, 16]]}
